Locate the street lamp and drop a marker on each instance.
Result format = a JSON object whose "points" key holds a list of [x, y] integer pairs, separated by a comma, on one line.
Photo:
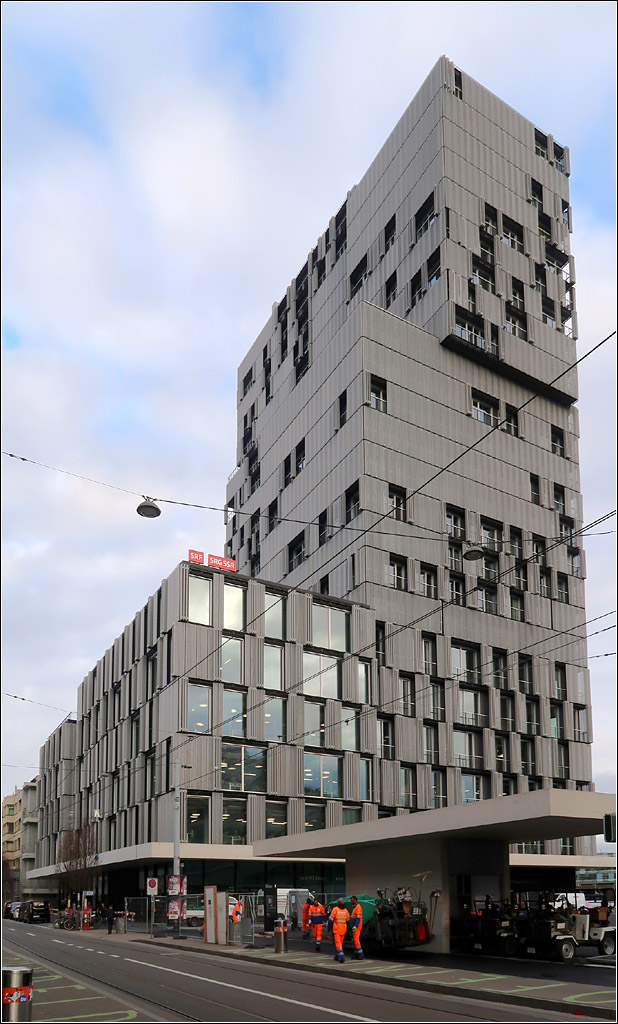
{"points": [[473, 554], [148, 508]]}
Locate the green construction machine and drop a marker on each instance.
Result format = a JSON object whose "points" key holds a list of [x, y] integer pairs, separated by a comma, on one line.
{"points": [[393, 919]]}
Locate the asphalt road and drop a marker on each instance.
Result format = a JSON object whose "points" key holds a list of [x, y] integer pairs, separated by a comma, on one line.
{"points": [[181, 985]]}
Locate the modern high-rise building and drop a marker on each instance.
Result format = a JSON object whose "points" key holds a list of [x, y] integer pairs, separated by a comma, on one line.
{"points": [[408, 439]]}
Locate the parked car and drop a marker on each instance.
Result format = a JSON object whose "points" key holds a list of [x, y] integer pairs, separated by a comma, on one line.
{"points": [[15, 911], [35, 910], [6, 908]]}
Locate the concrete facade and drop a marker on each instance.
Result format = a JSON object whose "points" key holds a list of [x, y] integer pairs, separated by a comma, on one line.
{"points": [[439, 301], [20, 820]]}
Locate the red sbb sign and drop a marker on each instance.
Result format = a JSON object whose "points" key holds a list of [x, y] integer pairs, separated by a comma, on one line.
{"points": [[197, 557], [221, 563]]}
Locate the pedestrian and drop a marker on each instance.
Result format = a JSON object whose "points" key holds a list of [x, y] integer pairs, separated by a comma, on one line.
{"points": [[339, 917], [356, 920], [110, 919], [306, 911], [315, 920], [237, 912]]}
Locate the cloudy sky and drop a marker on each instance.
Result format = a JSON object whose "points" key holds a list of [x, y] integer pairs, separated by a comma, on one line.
{"points": [[167, 167]]}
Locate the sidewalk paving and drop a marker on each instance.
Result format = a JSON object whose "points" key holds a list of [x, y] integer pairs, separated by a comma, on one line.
{"points": [[546, 992]]}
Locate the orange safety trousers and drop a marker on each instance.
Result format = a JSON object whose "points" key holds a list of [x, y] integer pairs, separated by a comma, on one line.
{"points": [[357, 924], [340, 917], [317, 931]]}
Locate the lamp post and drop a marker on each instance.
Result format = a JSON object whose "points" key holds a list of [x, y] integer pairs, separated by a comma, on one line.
{"points": [[176, 827]]}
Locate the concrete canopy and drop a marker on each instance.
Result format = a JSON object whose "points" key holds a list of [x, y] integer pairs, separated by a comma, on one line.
{"points": [[543, 814]]}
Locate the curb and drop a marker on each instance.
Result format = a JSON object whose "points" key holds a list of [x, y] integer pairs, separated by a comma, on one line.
{"points": [[486, 995]]}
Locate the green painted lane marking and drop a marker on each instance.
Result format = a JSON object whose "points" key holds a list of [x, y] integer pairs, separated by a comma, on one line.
{"points": [[475, 980], [115, 1015], [527, 988], [57, 1002], [586, 997]]}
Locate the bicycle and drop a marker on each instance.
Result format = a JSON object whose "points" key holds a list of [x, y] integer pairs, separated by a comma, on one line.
{"points": [[69, 923]]}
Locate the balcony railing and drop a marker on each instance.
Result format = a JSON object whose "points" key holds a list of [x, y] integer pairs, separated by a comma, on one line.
{"points": [[473, 718], [469, 760]]}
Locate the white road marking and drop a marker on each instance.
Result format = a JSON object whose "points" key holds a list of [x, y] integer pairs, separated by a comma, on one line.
{"points": [[101, 953], [89, 949], [59, 941], [31, 933], [116, 956], [251, 991]]}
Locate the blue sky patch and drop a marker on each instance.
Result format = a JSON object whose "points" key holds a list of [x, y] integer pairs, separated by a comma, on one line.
{"points": [[11, 338]]}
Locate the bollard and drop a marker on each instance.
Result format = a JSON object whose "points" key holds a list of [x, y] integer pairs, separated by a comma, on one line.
{"points": [[17, 993], [281, 935]]}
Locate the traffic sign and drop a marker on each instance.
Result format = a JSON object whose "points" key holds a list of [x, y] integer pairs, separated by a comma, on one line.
{"points": [[152, 886]]}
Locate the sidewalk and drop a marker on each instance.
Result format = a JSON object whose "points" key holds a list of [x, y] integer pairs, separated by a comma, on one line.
{"points": [[435, 973]]}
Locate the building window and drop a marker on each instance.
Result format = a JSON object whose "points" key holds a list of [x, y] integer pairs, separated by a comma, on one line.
{"points": [[198, 712], [535, 489], [275, 724], [199, 600], [350, 729], [545, 583], [484, 409], [455, 522], [247, 382], [483, 276], [438, 789], [563, 757], [274, 615], [234, 713], [378, 394], [234, 607], [323, 527], [273, 661], [331, 628], [234, 822], [296, 552], [575, 563], [472, 708], [324, 586], [520, 577], [407, 787], [566, 530], [431, 744], [524, 674], [390, 290], [499, 668], [366, 787], [429, 581], [471, 788], [511, 425], [364, 683], [562, 588], [538, 550], [465, 663], [528, 764], [425, 217], [380, 643], [467, 748], [430, 656], [507, 713], [490, 568], [488, 600], [273, 519], [517, 606], [458, 85], [512, 234], [503, 757], [243, 768], [533, 727], [398, 573], [386, 738], [315, 817], [276, 818], [352, 502], [437, 709], [456, 590], [433, 268], [343, 408], [389, 234], [321, 775], [314, 724], [548, 312], [408, 700], [357, 276], [231, 660], [300, 457], [556, 721], [321, 675], [455, 557], [416, 290], [557, 441], [352, 815], [580, 723], [397, 503]]}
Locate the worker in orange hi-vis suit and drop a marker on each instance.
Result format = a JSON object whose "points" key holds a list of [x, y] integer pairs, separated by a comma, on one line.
{"points": [[237, 912], [339, 917], [306, 911], [316, 922], [356, 920]]}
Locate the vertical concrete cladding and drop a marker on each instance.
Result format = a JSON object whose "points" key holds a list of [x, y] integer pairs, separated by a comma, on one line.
{"points": [[439, 300]]}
